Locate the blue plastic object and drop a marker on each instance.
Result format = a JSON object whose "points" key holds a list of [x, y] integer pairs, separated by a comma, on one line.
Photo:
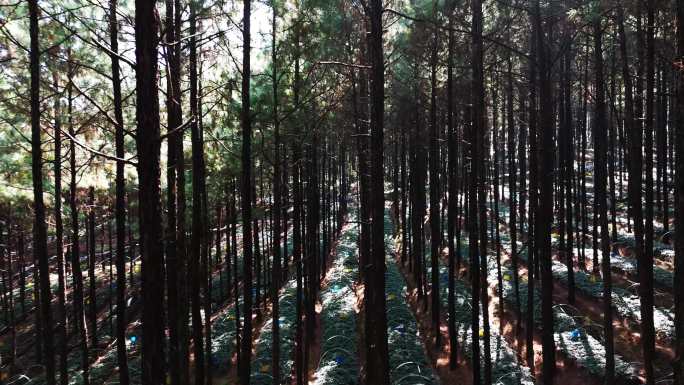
{"points": [[575, 334]]}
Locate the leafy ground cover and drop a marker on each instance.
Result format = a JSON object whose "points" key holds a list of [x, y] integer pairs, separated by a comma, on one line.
{"points": [[570, 334], [506, 369], [338, 364], [261, 364], [407, 360], [625, 303]]}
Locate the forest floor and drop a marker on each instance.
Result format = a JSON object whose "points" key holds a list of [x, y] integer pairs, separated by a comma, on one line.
{"points": [[414, 351]]}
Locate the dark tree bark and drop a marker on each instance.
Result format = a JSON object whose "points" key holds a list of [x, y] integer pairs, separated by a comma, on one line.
{"points": [[312, 243], [512, 194], [545, 218], [40, 228], [38, 332], [377, 361], [600, 198], [435, 219], [645, 265], [678, 364], [297, 219], [175, 231], [476, 144], [59, 243], [92, 284], [181, 234], [77, 300], [110, 284], [495, 220], [419, 152], [452, 194], [120, 205], [198, 238], [583, 163], [246, 199], [148, 145], [22, 272], [565, 163], [236, 292], [276, 209], [532, 274], [635, 150], [205, 265], [9, 289]]}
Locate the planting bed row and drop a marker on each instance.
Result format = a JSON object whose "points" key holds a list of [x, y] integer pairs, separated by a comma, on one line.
{"points": [[261, 364], [338, 364], [506, 370], [570, 335], [407, 360], [626, 304]]}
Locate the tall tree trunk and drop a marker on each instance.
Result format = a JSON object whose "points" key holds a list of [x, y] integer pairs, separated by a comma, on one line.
{"points": [[377, 361], [75, 252], [635, 151], [453, 194], [583, 162], [205, 265], [236, 292], [545, 219], [174, 269], [512, 192], [568, 157], [11, 319], [532, 274], [476, 144], [246, 198], [59, 242], [181, 234], [600, 199], [645, 265], [120, 206], [198, 239], [148, 145], [435, 225], [276, 210], [22, 272], [92, 287], [678, 364], [40, 229]]}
